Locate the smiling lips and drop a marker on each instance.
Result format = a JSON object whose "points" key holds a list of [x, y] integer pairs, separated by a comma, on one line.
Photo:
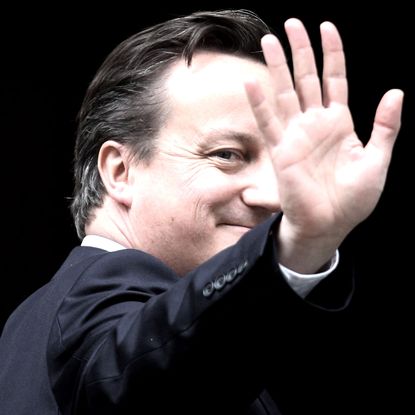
{"points": [[246, 222]]}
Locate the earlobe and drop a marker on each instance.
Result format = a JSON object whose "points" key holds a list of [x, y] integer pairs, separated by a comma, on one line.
{"points": [[113, 165]]}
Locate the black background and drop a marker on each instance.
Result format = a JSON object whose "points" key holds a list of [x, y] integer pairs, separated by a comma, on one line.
{"points": [[48, 58]]}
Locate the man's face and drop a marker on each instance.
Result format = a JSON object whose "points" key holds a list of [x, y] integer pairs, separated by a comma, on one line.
{"points": [[212, 178]]}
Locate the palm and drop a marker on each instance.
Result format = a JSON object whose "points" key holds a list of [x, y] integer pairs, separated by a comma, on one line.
{"points": [[321, 171], [328, 181]]}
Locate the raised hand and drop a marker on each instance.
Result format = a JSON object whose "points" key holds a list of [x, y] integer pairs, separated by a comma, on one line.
{"points": [[328, 181]]}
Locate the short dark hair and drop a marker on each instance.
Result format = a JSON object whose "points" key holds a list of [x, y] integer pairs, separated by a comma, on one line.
{"points": [[124, 101]]}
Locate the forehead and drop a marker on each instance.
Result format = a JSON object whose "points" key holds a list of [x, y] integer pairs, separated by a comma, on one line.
{"points": [[210, 95], [213, 73]]}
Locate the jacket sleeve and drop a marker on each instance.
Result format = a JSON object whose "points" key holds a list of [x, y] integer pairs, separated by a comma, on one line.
{"points": [[134, 337]]}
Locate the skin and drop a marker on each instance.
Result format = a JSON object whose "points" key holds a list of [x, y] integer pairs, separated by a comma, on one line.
{"points": [[243, 141]]}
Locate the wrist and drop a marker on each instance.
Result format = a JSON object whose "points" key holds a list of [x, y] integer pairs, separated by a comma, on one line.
{"points": [[305, 254]]}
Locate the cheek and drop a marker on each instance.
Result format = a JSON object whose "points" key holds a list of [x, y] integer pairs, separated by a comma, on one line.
{"points": [[208, 186], [187, 195], [203, 203]]}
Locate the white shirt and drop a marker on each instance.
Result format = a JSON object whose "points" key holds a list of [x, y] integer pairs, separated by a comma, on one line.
{"points": [[302, 284]]}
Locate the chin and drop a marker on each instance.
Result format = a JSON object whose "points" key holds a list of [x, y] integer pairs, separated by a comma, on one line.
{"points": [[232, 234], [236, 230]]}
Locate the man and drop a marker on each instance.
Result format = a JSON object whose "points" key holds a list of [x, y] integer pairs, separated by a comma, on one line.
{"points": [[212, 195]]}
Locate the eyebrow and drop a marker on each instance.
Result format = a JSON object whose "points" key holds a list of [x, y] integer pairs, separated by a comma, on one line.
{"points": [[218, 136]]}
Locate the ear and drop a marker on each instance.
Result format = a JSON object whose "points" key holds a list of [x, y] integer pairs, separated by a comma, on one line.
{"points": [[114, 164]]}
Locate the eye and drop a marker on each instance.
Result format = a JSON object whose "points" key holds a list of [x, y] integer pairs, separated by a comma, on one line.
{"points": [[228, 155]]}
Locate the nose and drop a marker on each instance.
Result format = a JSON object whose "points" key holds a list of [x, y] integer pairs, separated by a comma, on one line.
{"points": [[261, 190]]}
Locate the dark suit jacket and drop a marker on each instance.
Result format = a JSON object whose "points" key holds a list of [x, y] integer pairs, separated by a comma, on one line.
{"points": [[120, 333]]}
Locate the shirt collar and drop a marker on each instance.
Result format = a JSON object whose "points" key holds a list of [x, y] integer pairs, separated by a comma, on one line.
{"points": [[101, 242]]}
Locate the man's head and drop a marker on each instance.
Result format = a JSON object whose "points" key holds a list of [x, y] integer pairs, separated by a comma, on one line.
{"points": [[168, 155], [125, 101]]}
